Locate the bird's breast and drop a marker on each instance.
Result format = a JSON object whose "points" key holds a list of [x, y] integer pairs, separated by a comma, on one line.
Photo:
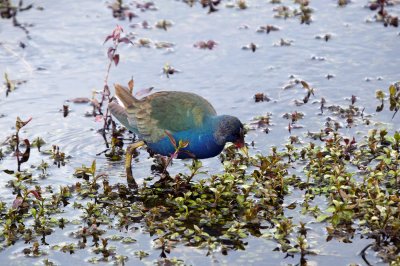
{"points": [[201, 145]]}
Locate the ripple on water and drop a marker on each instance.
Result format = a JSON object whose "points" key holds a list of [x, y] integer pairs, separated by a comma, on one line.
{"points": [[77, 142]]}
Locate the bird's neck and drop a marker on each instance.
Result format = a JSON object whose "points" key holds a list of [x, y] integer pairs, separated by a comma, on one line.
{"points": [[215, 123]]}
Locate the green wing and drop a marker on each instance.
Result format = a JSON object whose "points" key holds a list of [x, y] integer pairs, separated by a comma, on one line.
{"points": [[170, 111], [179, 111]]}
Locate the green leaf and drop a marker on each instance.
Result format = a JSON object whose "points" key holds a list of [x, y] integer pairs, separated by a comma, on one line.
{"points": [[174, 236], [392, 90], [33, 212], [305, 84], [331, 209], [196, 228], [322, 218], [93, 167], [188, 232], [10, 172], [242, 234], [293, 250], [240, 199], [128, 240], [397, 136]]}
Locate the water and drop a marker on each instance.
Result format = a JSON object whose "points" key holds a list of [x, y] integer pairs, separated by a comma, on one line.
{"points": [[65, 58]]}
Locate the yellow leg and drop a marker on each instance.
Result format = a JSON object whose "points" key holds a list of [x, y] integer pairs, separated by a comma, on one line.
{"points": [[128, 163]]}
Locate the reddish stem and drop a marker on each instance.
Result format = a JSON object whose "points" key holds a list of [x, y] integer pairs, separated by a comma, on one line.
{"points": [[107, 116]]}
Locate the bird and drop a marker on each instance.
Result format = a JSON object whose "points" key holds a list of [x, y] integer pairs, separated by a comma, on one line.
{"points": [[162, 119]]}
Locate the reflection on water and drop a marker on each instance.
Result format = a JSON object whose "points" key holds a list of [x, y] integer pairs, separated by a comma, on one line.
{"points": [[64, 58]]}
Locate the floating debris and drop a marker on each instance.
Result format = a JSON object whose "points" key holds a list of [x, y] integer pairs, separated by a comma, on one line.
{"points": [[169, 70], [80, 100], [343, 2], [121, 11], [210, 44], [143, 42], [144, 25], [244, 27], [65, 110], [382, 15], [318, 58], [326, 37], [267, 29], [211, 4], [261, 97], [11, 85], [164, 45], [145, 6], [253, 47], [283, 12], [284, 42], [164, 24], [242, 4], [329, 76], [261, 122]]}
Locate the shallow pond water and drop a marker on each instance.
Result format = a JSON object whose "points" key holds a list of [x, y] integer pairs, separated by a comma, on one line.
{"points": [[65, 58]]}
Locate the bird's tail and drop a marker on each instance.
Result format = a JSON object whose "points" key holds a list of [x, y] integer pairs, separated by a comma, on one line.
{"points": [[125, 96]]}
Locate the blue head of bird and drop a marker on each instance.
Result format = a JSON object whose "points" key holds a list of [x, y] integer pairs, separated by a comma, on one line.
{"points": [[229, 129]]}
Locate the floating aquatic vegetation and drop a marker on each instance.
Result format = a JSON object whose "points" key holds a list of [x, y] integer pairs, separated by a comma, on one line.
{"points": [[261, 122], [34, 251], [329, 76], [394, 98], [21, 157], [326, 37], [252, 47], [210, 44], [267, 29], [318, 58], [164, 24], [292, 83], [144, 25], [309, 89], [382, 15], [261, 97], [145, 6], [211, 4], [164, 45], [283, 12], [343, 2], [304, 11], [10, 11], [380, 95], [219, 211], [121, 11], [242, 4], [283, 42], [243, 27], [11, 85], [294, 116], [169, 70], [65, 110], [58, 156], [143, 42], [141, 254]]}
